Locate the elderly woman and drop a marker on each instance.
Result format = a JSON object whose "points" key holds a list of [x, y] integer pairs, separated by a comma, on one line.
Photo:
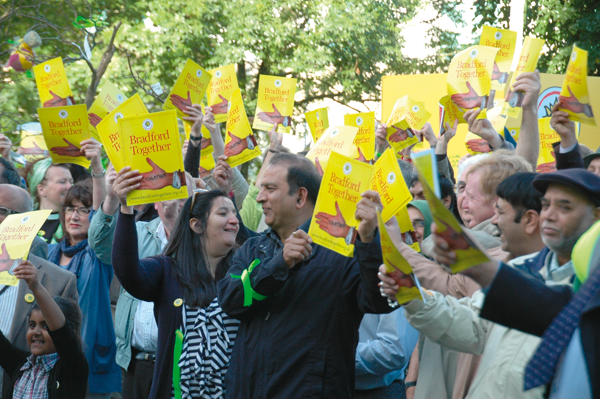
{"points": [[74, 254]]}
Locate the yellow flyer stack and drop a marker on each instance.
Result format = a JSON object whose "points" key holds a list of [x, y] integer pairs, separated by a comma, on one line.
{"points": [[108, 129], [52, 84], [407, 115], [221, 87], [16, 235], [188, 89], [574, 98], [337, 138], [240, 144], [110, 97], [504, 40], [64, 129], [318, 122], [151, 145], [365, 138], [275, 103]]}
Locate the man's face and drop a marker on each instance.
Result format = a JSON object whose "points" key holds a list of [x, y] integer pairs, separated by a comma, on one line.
{"points": [[168, 211], [278, 205], [417, 191], [476, 206], [594, 166], [512, 233], [565, 216], [7, 200]]}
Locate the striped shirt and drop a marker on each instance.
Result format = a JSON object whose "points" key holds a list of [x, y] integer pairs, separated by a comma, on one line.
{"points": [[33, 384], [209, 335], [8, 302]]}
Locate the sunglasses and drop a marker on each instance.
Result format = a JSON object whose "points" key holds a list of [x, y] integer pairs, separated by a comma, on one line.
{"points": [[4, 211], [196, 191]]}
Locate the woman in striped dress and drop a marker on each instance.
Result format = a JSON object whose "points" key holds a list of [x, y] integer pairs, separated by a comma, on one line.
{"points": [[182, 283]]}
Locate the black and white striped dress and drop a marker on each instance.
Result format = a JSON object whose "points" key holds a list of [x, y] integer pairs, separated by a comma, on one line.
{"points": [[209, 335]]}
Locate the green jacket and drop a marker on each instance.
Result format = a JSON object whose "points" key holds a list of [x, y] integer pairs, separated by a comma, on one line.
{"points": [[100, 238]]}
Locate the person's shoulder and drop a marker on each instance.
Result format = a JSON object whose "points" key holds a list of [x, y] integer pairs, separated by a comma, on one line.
{"points": [[49, 267]]}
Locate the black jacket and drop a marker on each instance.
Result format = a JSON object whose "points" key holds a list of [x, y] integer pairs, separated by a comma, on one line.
{"points": [[68, 377], [520, 301], [299, 342]]}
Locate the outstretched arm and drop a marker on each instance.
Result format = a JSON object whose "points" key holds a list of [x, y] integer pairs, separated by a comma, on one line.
{"points": [[529, 138]]}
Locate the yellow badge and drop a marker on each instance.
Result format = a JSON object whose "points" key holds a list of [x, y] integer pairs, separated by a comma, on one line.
{"points": [[29, 298], [178, 302]]}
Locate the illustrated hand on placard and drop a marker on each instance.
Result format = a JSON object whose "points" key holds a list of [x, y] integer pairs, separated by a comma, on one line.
{"points": [[6, 261], [572, 104], [335, 225], [497, 75], [220, 108], [468, 100], [71, 150], [157, 178], [94, 119], [181, 103], [274, 117], [478, 146], [400, 135], [237, 145], [57, 101]]}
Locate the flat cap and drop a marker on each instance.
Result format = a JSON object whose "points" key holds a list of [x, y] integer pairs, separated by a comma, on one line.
{"points": [[580, 179], [589, 158]]}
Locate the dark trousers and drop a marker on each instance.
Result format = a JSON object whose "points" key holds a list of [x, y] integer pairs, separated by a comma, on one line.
{"points": [[137, 379], [395, 390]]}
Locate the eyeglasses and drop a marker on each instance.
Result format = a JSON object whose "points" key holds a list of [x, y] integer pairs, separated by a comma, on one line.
{"points": [[418, 223], [4, 211], [196, 191], [81, 211]]}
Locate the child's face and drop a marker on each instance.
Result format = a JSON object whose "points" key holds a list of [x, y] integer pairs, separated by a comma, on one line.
{"points": [[38, 339]]}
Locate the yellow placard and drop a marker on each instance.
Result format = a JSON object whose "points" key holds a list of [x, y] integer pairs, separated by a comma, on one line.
{"points": [[397, 266], [426, 163], [275, 103], [52, 84], [466, 250], [207, 163], [449, 113], [407, 230], [32, 144], [504, 40], [240, 144], [221, 87], [546, 158], [64, 129], [387, 180], [16, 235], [333, 223], [108, 129], [474, 143], [365, 138], [530, 54], [318, 122], [189, 89], [336, 138], [574, 98], [469, 78], [110, 97], [406, 116], [151, 145]]}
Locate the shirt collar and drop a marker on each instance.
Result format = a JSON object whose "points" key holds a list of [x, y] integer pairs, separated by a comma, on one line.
{"points": [[162, 235], [556, 271], [46, 361]]}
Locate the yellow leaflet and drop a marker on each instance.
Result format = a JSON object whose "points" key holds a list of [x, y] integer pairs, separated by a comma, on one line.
{"points": [[504, 40], [546, 159], [426, 164], [466, 250], [53, 86], [32, 145], [397, 267], [64, 129], [387, 180], [514, 132], [318, 122], [408, 115], [365, 138], [449, 113], [109, 132], [407, 229], [240, 144], [333, 224], [207, 163], [574, 98], [220, 89], [477, 145], [189, 89], [337, 138], [110, 97], [16, 235], [151, 145], [528, 60], [469, 78], [275, 103]]}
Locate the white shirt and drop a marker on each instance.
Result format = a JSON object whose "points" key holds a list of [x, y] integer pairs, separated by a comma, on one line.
{"points": [[572, 379], [8, 302]]}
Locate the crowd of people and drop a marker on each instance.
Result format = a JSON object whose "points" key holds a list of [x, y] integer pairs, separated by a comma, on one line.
{"points": [[224, 294]]}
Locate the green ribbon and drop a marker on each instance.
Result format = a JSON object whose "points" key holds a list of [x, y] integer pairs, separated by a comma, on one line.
{"points": [[82, 23], [178, 348], [249, 293]]}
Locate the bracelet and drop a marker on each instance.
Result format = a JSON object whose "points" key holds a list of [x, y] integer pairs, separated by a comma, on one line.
{"points": [[194, 138], [410, 384], [99, 175], [378, 154], [273, 151]]}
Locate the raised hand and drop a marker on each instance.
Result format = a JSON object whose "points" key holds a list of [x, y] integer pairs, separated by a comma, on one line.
{"points": [[527, 85], [181, 103], [94, 119], [501, 77], [428, 134], [468, 100], [274, 117], [366, 214], [220, 108], [296, 248], [572, 104], [126, 181], [318, 166], [478, 145], [275, 139], [237, 145], [401, 279], [399, 135], [381, 143], [195, 116], [5, 147], [28, 272], [6, 261], [57, 101], [483, 128], [71, 150], [334, 225], [209, 119], [223, 174], [91, 149], [157, 178], [564, 127]]}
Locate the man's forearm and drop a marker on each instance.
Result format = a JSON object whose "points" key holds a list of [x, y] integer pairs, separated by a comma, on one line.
{"points": [[529, 138]]}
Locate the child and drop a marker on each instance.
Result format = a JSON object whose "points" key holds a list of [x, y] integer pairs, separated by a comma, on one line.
{"points": [[56, 366]]}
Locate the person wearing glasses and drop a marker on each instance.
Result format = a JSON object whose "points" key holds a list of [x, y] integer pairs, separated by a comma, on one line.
{"points": [[182, 285], [73, 253]]}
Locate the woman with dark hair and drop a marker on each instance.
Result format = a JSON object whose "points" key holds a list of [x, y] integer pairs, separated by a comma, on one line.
{"points": [[74, 254], [182, 283]]}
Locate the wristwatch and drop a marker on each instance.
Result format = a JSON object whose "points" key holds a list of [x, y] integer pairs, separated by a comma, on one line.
{"points": [[99, 175], [409, 384], [194, 138]]}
